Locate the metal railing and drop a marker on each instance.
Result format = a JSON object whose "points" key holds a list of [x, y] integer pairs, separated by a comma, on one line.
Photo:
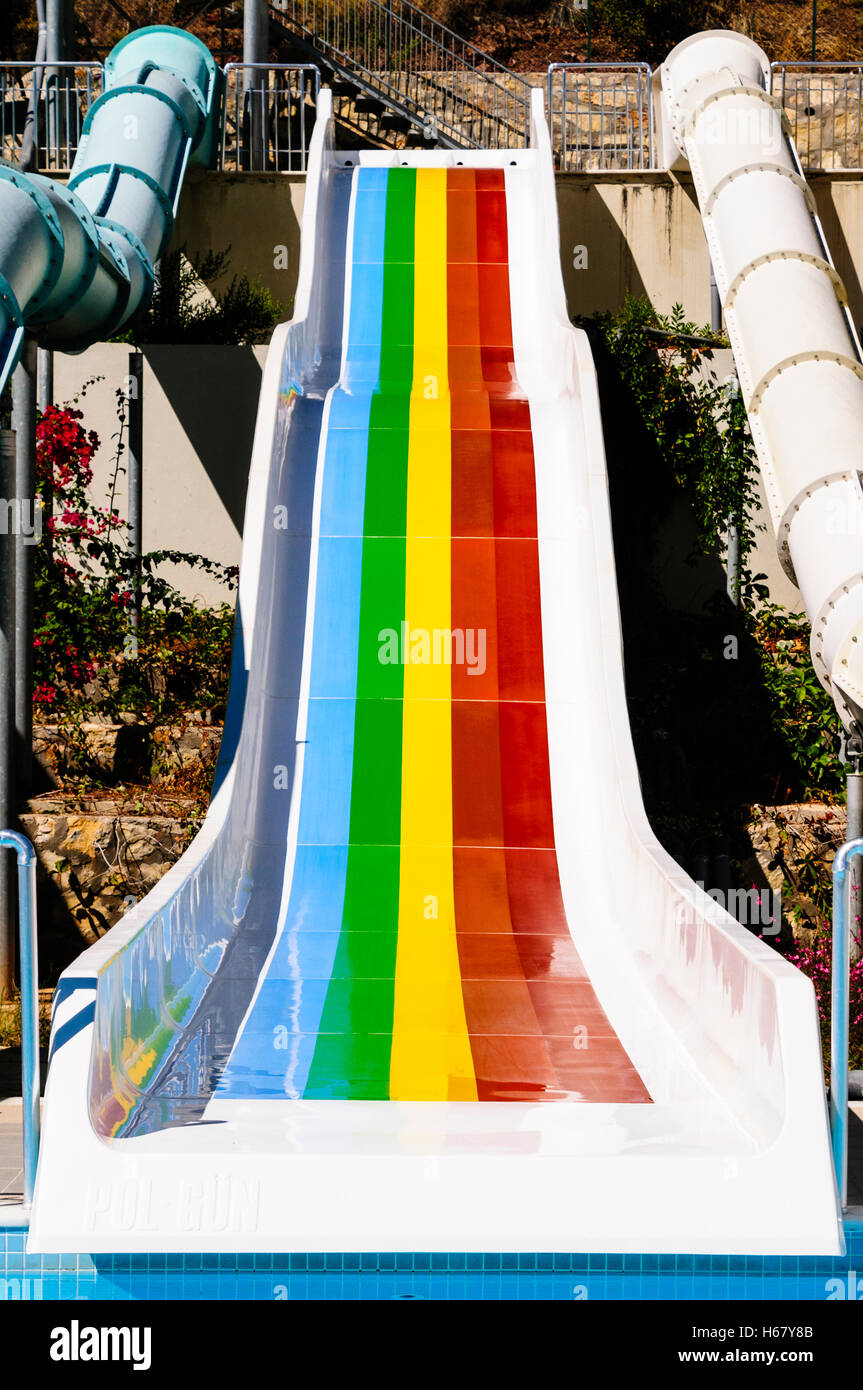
{"points": [[824, 106], [600, 116], [451, 89], [29, 977], [268, 116], [46, 103]]}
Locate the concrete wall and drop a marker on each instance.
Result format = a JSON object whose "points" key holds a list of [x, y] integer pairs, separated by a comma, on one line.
{"points": [[257, 215], [618, 233], [640, 232], [644, 234], [199, 417]]}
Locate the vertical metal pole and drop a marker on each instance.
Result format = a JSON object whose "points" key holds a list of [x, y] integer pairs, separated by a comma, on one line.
{"points": [[732, 563], [29, 968], [854, 831], [29, 156], [814, 26], [45, 398], [46, 378], [839, 1014], [28, 956], [136, 483], [27, 522], [7, 716], [715, 302], [57, 81], [589, 28], [255, 44], [56, 23]]}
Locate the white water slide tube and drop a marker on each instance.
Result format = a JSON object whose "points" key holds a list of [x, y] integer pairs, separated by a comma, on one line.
{"points": [[171, 1122], [797, 352]]}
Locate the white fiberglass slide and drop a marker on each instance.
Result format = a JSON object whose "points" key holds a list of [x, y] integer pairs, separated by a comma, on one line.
{"points": [[426, 980]]}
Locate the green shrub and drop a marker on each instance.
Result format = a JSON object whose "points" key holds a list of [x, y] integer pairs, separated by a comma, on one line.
{"points": [[239, 312]]}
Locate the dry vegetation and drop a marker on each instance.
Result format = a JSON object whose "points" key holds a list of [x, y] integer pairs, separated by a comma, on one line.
{"points": [[528, 36], [524, 35], [99, 24]]}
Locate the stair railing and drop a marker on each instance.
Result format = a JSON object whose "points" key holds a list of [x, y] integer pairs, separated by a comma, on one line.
{"points": [[449, 86]]}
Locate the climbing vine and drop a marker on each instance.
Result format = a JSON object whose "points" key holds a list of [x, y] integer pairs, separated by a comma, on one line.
{"points": [[697, 421]]}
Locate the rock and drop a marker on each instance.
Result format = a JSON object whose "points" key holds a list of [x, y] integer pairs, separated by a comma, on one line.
{"points": [[96, 862]]}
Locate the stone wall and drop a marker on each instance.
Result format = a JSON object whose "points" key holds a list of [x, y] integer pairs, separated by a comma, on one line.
{"points": [[93, 866], [792, 853], [132, 751], [117, 805]]}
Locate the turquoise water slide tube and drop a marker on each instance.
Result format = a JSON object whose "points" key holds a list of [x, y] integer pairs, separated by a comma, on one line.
{"points": [[77, 259]]}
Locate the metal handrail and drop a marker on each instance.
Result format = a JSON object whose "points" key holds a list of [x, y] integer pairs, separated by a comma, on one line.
{"points": [[51, 63], [364, 36], [266, 68], [644, 73], [805, 63], [822, 70], [424, 18], [840, 989], [29, 976], [40, 95], [278, 67]]}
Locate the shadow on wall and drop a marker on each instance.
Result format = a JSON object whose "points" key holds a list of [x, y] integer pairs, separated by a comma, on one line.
{"points": [[597, 261], [825, 191], [257, 215], [704, 739], [214, 395]]}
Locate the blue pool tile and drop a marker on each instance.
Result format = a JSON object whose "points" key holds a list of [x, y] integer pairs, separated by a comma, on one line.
{"points": [[557, 1275]]}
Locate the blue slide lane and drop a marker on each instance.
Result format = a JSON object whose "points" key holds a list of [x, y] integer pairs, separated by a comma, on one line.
{"points": [[274, 1050]]}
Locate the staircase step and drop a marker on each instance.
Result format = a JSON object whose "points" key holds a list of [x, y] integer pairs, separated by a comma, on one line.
{"points": [[369, 105], [469, 93], [392, 121]]}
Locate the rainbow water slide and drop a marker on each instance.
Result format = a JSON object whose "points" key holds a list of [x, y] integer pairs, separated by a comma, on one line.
{"points": [[426, 980]]}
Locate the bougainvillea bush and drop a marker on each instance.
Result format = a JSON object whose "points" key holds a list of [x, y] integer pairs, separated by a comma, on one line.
{"points": [[85, 656], [814, 959]]}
